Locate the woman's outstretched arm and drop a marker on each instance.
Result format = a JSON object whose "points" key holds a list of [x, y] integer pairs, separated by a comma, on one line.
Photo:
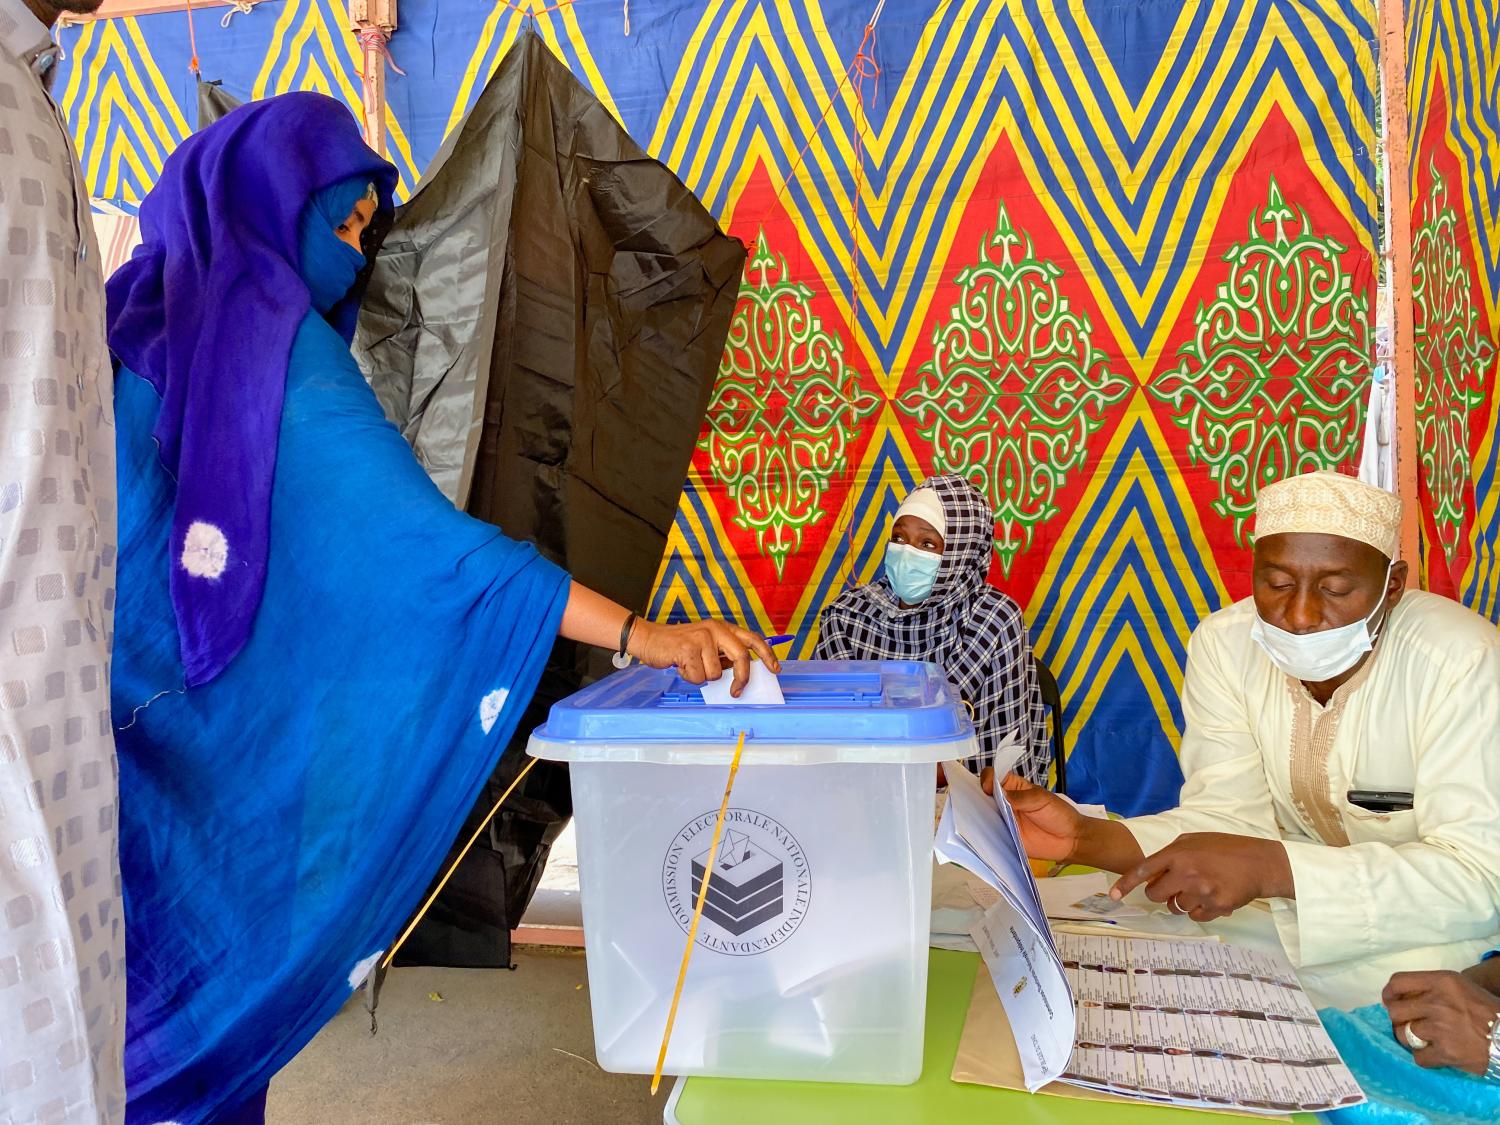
{"points": [[700, 650]]}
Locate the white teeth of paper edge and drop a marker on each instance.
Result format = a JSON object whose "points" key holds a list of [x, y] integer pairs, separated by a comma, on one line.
{"points": [[363, 969], [490, 707]]}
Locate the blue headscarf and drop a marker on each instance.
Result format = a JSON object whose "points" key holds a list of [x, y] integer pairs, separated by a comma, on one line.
{"points": [[206, 311], [329, 265]]}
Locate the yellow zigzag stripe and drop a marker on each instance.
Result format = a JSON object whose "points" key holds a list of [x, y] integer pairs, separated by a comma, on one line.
{"points": [[1465, 80], [495, 42], [1095, 589], [307, 39], [708, 567], [931, 216], [143, 102], [917, 144]]}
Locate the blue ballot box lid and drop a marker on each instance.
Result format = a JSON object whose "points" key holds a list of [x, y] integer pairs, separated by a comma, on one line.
{"points": [[835, 711]]}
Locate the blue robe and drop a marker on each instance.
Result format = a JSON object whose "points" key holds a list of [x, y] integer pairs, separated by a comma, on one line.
{"points": [[280, 823]]}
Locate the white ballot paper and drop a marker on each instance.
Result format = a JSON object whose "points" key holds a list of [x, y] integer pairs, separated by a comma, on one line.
{"points": [[763, 688], [1191, 1023]]}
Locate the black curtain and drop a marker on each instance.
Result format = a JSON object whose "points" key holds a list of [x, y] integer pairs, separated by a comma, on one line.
{"points": [[556, 392]]}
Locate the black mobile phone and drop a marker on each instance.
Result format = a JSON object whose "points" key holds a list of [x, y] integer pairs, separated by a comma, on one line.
{"points": [[1380, 800]]}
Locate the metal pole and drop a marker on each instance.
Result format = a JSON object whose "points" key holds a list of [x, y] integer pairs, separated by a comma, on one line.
{"points": [[1398, 203]]}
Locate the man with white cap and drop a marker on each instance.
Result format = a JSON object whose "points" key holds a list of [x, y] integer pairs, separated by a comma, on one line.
{"points": [[1341, 753]]}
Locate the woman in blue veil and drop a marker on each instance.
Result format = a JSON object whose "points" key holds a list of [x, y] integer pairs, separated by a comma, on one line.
{"points": [[318, 659]]}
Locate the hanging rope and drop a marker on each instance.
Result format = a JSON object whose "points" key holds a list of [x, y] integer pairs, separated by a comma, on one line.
{"points": [[192, 42], [531, 10], [238, 8], [692, 937], [443, 882], [862, 68], [377, 39]]}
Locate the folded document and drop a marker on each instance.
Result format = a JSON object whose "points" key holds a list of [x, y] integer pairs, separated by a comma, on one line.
{"points": [[1189, 1023]]}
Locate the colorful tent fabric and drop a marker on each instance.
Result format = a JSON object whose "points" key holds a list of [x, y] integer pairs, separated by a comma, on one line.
{"points": [[1453, 49], [1115, 260]]}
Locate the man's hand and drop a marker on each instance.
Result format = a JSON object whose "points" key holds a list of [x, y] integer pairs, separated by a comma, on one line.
{"points": [[1050, 827], [1209, 875], [1449, 1011], [701, 650]]}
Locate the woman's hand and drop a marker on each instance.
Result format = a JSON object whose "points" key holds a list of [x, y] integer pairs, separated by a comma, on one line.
{"points": [[701, 650], [1447, 1010]]}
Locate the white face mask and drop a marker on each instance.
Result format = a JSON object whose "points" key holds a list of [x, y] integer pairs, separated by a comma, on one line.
{"points": [[1315, 657]]}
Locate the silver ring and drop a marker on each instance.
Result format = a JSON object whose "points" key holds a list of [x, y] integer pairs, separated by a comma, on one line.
{"points": [[1173, 906], [1413, 1040]]}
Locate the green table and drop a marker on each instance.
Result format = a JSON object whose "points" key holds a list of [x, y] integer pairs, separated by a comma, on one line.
{"points": [[934, 1099]]}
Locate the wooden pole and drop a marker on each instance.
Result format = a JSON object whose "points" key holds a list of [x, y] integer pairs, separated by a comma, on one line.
{"points": [[1398, 254], [118, 9], [372, 22]]}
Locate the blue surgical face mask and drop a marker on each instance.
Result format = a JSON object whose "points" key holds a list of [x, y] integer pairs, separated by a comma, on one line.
{"points": [[912, 572]]}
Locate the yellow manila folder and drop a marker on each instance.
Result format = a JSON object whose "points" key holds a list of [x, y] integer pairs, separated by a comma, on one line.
{"points": [[987, 1055]]}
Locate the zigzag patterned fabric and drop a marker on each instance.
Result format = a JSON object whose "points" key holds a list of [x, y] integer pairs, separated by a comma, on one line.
{"points": [[1454, 100], [1114, 259]]}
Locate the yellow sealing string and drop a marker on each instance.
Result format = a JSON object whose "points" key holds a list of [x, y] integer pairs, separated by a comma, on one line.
{"points": [[687, 951], [485, 823]]}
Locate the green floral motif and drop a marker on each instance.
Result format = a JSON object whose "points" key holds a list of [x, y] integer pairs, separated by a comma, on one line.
{"points": [[1274, 381], [1452, 358], [1015, 387], [785, 412]]}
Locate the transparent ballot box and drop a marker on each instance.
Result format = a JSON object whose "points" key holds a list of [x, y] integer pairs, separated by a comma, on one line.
{"points": [[811, 955]]}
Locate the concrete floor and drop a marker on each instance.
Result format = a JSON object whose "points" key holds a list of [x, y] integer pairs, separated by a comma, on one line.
{"points": [[508, 1048]]}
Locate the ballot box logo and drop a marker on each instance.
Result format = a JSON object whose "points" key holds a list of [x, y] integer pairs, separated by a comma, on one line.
{"points": [[759, 886]]}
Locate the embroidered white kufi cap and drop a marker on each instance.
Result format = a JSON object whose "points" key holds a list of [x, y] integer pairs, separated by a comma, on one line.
{"points": [[1327, 503]]}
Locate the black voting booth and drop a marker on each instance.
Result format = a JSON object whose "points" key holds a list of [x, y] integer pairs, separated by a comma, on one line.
{"points": [[544, 322]]}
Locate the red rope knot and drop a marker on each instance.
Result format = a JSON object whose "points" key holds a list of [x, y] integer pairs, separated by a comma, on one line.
{"points": [[192, 42], [378, 39], [864, 65]]}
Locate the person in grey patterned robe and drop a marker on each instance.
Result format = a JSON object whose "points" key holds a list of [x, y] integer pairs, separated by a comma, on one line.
{"points": [[62, 980]]}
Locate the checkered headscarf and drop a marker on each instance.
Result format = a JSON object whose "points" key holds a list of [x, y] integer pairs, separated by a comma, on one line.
{"points": [[966, 625]]}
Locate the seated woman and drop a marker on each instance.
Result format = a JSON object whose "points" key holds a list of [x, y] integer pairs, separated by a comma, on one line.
{"points": [[318, 659], [933, 603]]}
